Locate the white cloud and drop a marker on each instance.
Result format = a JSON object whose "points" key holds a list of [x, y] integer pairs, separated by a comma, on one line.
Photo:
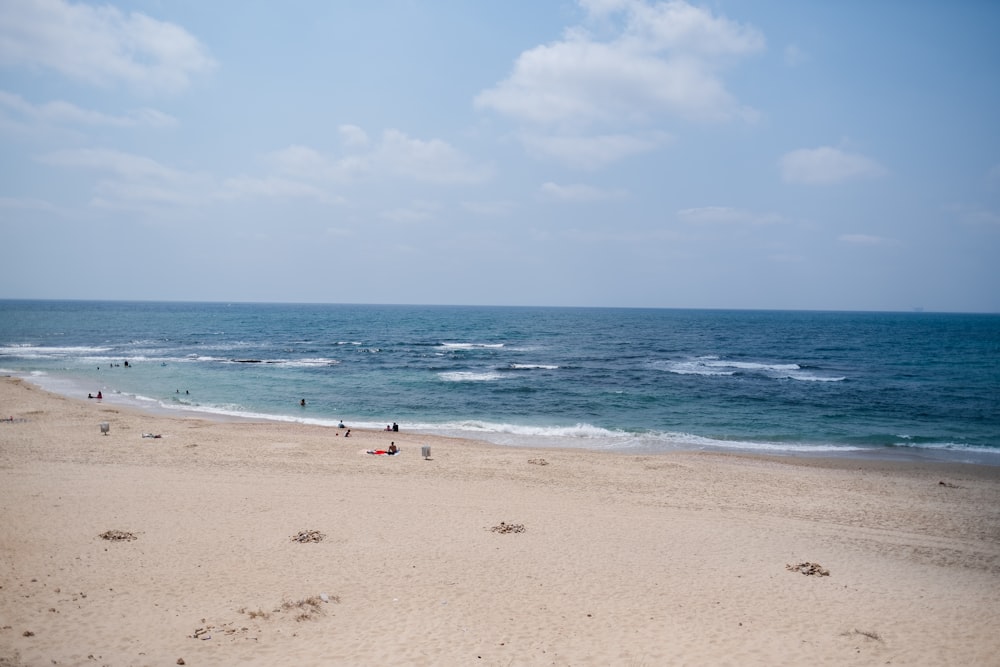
{"points": [[293, 172], [428, 161], [340, 232], [141, 195], [307, 163], [795, 56], [604, 7], [618, 235], [417, 211], [433, 161], [865, 239], [28, 204], [592, 152], [136, 181], [664, 58], [117, 162], [352, 135], [826, 166], [680, 27], [151, 118], [66, 113], [489, 208], [786, 258], [975, 215], [726, 215], [244, 186], [139, 183], [101, 45], [580, 82], [579, 193]]}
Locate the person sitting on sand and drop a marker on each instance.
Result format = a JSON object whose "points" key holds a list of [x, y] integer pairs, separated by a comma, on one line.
{"points": [[348, 434], [392, 448]]}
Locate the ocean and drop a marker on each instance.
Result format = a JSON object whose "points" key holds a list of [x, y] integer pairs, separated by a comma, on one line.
{"points": [[894, 385]]}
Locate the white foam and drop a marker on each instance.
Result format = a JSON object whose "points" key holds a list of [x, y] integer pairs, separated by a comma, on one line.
{"points": [[318, 361], [588, 436], [695, 368], [752, 365], [28, 351], [471, 346], [808, 377], [469, 376], [949, 447], [711, 365]]}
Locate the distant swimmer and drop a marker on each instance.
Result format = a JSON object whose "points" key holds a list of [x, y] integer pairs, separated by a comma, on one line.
{"points": [[99, 395], [302, 402]]}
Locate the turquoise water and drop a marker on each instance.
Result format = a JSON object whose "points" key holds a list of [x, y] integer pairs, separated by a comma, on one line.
{"points": [[633, 380]]}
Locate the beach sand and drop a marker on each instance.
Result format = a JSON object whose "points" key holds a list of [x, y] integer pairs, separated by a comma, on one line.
{"points": [[283, 544]]}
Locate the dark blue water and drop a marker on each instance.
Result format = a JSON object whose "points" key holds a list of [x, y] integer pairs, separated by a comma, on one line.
{"points": [[918, 384]]}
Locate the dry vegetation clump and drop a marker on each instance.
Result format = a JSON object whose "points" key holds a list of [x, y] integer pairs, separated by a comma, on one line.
{"points": [[811, 569], [118, 536], [304, 609], [304, 536], [504, 528], [307, 608]]}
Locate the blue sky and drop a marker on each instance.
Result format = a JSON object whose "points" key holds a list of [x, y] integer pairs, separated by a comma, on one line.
{"points": [[789, 155]]}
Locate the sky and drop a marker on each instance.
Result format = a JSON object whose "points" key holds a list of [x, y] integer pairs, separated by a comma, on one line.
{"points": [[624, 153]]}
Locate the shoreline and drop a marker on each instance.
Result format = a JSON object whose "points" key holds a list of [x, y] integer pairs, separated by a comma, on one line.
{"points": [[623, 559], [971, 456]]}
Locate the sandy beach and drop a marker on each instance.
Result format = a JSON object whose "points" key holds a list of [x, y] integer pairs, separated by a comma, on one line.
{"points": [[224, 543]]}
